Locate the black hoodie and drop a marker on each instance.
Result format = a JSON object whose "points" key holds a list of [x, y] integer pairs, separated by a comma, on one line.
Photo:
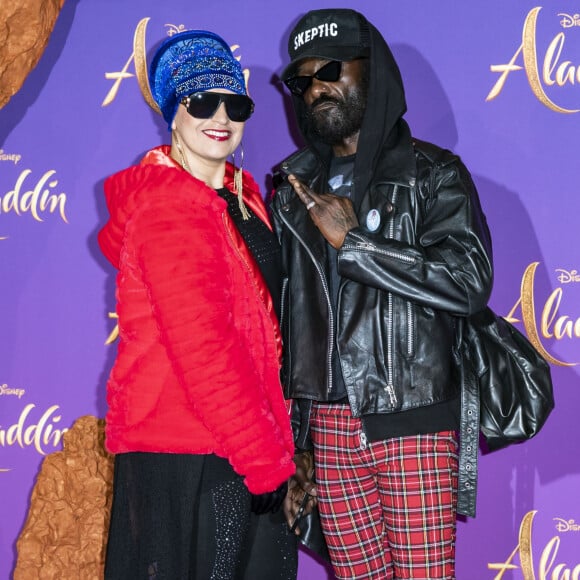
{"points": [[384, 134]]}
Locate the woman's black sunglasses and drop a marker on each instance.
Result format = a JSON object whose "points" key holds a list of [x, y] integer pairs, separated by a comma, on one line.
{"points": [[204, 105], [329, 73]]}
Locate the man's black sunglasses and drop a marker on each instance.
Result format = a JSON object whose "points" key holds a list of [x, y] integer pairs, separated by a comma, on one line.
{"points": [[204, 105], [329, 73]]}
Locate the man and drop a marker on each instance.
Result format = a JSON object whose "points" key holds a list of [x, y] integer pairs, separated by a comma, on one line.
{"points": [[385, 248]]}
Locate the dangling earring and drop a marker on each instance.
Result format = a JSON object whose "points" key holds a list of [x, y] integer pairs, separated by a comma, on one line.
{"points": [[184, 163], [238, 182]]}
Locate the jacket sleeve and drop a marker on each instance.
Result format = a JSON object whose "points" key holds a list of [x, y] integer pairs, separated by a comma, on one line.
{"points": [[449, 267], [181, 250]]}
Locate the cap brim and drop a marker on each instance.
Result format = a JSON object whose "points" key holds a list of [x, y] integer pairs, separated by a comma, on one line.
{"points": [[328, 52]]}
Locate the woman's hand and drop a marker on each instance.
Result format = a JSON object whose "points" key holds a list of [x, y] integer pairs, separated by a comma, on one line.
{"points": [[271, 501]]}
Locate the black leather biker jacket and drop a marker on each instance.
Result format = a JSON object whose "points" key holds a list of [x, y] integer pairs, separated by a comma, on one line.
{"points": [[418, 262], [420, 258]]}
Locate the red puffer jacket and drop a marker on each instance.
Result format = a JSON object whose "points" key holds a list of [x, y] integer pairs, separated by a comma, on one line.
{"points": [[197, 369]]}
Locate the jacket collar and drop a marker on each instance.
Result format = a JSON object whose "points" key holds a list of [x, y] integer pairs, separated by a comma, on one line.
{"points": [[397, 165]]}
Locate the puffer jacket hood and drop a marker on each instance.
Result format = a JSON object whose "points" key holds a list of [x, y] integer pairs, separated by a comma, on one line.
{"points": [[129, 188]]}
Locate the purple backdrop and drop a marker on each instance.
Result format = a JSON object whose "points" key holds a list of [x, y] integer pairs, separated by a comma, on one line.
{"points": [[497, 82]]}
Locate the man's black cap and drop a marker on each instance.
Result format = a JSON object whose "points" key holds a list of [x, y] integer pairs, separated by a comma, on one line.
{"points": [[333, 33]]}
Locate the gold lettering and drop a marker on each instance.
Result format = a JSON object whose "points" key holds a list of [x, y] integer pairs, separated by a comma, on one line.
{"points": [[564, 326], [510, 317], [118, 77], [34, 201], [525, 542], [524, 548], [531, 62], [529, 315], [565, 71], [552, 57], [37, 435], [505, 70], [138, 56], [550, 311], [547, 558], [503, 567], [115, 332]]}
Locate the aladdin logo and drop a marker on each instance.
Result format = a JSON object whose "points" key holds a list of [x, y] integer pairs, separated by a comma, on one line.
{"points": [[35, 200], [552, 324], [322, 31], [28, 432], [548, 567], [556, 69]]}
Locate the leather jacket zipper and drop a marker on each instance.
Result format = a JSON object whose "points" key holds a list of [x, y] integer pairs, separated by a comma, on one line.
{"points": [[390, 388], [372, 248], [410, 329], [329, 303], [283, 300]]}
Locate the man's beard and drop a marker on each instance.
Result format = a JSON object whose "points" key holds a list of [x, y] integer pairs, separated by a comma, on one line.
{"points": [[333, 126]]}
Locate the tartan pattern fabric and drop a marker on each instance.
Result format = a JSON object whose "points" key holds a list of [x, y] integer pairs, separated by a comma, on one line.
{"points": [[387, 507]]}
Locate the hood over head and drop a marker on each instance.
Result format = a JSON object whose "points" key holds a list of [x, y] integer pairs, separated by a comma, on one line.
{"points": [[384, 131]]}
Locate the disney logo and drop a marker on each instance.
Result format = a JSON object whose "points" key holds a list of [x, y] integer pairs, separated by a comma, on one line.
{"points": [[173, 29], [14, 157], [566, 277], [5, 390], [566, 525], [569, 21]]}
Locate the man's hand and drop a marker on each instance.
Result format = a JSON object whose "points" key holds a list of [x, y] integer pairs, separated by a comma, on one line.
{"points": [[333, 215], [301, 496]]}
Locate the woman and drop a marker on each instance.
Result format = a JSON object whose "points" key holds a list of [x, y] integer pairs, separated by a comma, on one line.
{"points": [[196, 416]]}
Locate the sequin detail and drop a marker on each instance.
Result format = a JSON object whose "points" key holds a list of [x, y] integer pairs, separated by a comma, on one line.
{"points": [[190, 62], [231, 512]]}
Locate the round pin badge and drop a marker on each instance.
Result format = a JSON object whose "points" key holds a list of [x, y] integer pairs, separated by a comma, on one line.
{"points": [[373, 220]]}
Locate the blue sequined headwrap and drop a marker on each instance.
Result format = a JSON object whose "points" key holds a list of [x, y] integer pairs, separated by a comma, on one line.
{"points": [[190, 62]]}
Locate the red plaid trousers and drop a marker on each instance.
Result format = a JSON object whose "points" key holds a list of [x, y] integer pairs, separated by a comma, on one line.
{"points": [[387, 507]]}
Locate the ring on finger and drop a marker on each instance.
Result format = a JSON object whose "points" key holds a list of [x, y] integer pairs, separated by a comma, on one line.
{"points": [[310, 204]]}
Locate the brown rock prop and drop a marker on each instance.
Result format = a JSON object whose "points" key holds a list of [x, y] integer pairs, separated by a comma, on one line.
{"points": [[25, 27], [65, 533]]}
